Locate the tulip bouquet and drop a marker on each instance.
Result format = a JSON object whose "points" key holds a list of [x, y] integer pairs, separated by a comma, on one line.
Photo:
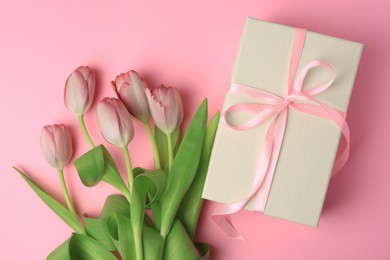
{"points": [[156, 214]]}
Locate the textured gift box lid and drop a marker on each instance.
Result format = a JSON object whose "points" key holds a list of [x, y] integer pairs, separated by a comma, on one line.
{"points": [[310, 143]]}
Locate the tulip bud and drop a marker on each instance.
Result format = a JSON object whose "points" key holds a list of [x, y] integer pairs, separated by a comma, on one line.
{"points": [[166, 108], [80, 90], [115, 122], [56, 145], [130, 88]]}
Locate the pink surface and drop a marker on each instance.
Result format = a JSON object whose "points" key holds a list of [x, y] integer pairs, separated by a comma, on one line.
{"points": [[191, 46]]}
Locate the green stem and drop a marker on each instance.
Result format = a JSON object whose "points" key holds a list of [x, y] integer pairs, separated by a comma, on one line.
{"points": [[65, 191], [85, 132], [154, 145], [163, 247], [130, 174], [170, 150], [138, 245]]}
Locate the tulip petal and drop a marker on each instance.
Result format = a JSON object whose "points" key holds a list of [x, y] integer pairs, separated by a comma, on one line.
{"points": [[130, 88], [115, 122], [91, 90], [157, 110], [175, 109], [124, 122], [166, 108], [63, 145], [56, 145], [76, 93], [121, 79], [161, 94], [84, 71], [80, 90], [108, 122], [48, 146]]}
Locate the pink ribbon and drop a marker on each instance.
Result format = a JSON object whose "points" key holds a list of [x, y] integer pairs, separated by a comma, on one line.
{"points": [[273, 107]]}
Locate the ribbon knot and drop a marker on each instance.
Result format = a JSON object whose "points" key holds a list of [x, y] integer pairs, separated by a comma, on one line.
{"points": [[287, 101], [272, 107]]}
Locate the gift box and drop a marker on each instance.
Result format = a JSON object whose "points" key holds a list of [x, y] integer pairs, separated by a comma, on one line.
{"points": [[276, 144]]}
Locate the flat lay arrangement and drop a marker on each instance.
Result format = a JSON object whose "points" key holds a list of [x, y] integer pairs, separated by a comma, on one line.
{"points": [[180, 176], [215, 130]]}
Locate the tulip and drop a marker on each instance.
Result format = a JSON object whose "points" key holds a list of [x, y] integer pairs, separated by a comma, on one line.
{"points": [[115, 122], [56, 145], [130, 88], [167, 112], [166, 108], [80, 90], [79, 93], [117, 128]]}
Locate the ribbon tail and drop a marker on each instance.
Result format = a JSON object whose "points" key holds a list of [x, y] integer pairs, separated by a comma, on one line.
{"points": [[342, 158], [220, 217], [227, 227], [278, 133], [339, 118]]}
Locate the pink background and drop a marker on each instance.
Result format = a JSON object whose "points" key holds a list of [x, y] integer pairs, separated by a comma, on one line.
{"points": [[191, 46]]}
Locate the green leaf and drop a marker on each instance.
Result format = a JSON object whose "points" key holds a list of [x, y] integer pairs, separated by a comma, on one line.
{"points": [[183, 168], [153, 184], [111, 174], [149, 182], [152, 244], [122, 235], [115, 204], [162, 145], [61, 252], [97, 229], [179, 245], [156, 211], [137, 209], [90, 166], [137, 171], [81, 247], [68, 217], [97, 165], [191, 204]]}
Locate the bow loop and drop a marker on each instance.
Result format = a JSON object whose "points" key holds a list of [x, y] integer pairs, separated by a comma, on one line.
{"points": [[262, 113], [298, 84]]}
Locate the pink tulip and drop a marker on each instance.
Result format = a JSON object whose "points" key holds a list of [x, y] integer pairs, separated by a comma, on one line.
{"points": [[115, 122], [56, 145], [166, 108], [130, 88], [80, 90]]}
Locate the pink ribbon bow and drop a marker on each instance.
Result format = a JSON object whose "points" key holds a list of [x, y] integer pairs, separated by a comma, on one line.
{"points": [[276, 107]]}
